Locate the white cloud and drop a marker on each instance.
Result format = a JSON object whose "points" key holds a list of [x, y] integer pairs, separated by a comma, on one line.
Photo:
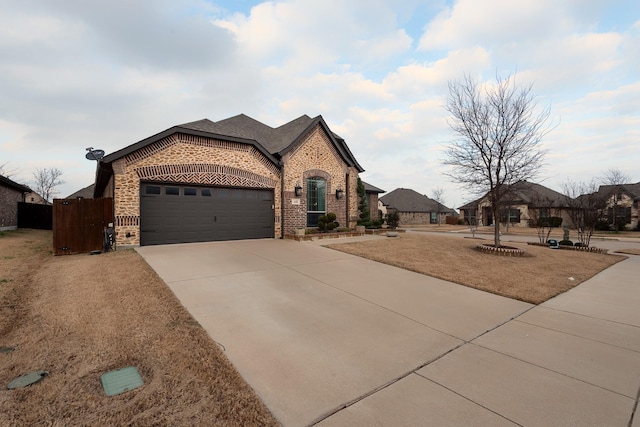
{"points": [[77, 74], [497, 22]]}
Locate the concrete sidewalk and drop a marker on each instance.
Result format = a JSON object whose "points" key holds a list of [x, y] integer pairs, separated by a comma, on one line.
{"points": [[574, 360], [328, 338]]}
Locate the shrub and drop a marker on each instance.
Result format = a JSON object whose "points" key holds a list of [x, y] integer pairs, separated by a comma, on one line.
{"points": [[393, 220], [363, 203], [327, 222], [602, 225], [565, 243]]}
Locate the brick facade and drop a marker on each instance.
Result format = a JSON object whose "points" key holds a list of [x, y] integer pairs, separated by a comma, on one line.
{"points": [[10, 195], [189, 159], [374, 211], [420, 218], [9, 199], [316, 157]]}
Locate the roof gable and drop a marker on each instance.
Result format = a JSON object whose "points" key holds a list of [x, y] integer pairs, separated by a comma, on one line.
{"points": [[526, 193], [633, 190], [244, 129], [273, 143], [536, 194]]}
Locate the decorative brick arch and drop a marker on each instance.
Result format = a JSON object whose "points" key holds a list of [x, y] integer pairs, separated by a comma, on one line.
{"points": [[316, 173], [205, 174]]}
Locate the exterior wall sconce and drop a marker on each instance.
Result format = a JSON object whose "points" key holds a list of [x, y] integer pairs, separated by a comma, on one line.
{"points": [[339, 193], [298, 190]]}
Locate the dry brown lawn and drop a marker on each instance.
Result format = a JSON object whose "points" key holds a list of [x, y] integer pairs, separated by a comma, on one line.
{"points": [[80, 316], [535, 278]]}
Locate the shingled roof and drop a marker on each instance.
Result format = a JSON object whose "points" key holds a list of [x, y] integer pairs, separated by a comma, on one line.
{"points": [[272, 142], [368, 188], [530, 193], [632, 190], [407, 200], [84, 193], [14, 185]]}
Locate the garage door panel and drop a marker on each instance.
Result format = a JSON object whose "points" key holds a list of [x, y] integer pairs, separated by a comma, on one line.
{"points": [[181, 214]]}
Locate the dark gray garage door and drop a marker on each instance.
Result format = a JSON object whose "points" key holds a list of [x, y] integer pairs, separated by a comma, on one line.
{"points": [[183, 214]]}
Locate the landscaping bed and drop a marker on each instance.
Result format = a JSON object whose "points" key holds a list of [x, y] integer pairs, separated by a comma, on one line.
{"points": [[502, 250], [591, 249], [320, 236]]}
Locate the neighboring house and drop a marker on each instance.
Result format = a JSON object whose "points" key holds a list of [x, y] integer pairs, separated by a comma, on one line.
{"points": [[35, 198], [10, 194], [84, 193], [382, 208], [524, 204], [372, 198], [622, 204], [414, 208], [232, 179]]}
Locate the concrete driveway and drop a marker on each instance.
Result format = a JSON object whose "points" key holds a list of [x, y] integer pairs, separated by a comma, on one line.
{"points": [[332, 339]]}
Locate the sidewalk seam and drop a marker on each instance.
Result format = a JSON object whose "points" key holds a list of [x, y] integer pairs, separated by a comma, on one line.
{"points": [[415, 370]]}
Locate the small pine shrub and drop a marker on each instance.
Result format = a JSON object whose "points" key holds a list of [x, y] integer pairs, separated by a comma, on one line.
{"points": [[327, 222], [393, 220]]}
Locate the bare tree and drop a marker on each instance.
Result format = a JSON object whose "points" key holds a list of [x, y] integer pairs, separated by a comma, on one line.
{"points": [[585, 205], [6, 171], [438, 196], [498, 131], [45, 182], [614, 178], [473, 226], [540, 216]]}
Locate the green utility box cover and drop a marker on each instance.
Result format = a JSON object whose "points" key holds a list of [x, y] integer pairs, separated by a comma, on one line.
{"points": [[553, 244], [117, 382], [27, 379]]}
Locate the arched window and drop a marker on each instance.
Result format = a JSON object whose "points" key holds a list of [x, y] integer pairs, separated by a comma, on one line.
{"points": [[316, 200]]}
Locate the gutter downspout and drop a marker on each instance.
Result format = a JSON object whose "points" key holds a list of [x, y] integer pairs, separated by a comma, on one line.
{"points": [[346, 179], [281, 200]]}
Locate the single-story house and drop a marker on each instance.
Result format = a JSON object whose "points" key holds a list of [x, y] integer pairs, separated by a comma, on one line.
{"points": [[524, 204], [83, 193], [372, 199], [10, 194], [415, 208], [236, 178], [622, 204]]}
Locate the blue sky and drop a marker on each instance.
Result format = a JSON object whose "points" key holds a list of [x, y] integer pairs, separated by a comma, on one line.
{"points": [[75, 74]]}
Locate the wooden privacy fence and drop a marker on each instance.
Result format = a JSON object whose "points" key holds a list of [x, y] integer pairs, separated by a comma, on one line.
{"points": [[79, 224], [31, 215]]}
